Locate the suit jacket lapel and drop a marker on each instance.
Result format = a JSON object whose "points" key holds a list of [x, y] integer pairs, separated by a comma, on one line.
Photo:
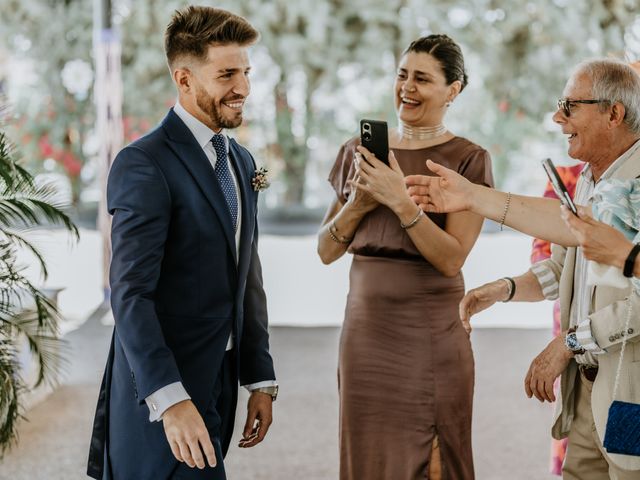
{"points": [[630, 168], [240, 162], [566, 286], [192, 156]]}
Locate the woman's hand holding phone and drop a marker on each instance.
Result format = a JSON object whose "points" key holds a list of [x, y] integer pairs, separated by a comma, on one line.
{"points": [[384, 183], [358, 198]]}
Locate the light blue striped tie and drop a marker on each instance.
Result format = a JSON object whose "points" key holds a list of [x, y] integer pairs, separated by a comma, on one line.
{"points": [[224, 177]]}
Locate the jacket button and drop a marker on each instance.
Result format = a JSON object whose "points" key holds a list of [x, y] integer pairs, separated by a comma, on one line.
{"points": [[630, 331], [611, 338], [617, 335]]}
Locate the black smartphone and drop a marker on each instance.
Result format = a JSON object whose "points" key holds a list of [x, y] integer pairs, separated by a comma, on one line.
{"points": [[558, 185], [375, 138]]}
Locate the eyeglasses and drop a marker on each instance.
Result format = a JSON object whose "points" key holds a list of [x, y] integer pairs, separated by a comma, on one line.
{"points": [[566, 104]]}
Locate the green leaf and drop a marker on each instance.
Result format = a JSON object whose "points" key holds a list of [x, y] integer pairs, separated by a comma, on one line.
{"points": [[25, 311]]}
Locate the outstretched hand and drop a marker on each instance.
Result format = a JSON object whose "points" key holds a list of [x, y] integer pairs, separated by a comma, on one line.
{"points": [[448, 192], [479, 299], [600, 242]]}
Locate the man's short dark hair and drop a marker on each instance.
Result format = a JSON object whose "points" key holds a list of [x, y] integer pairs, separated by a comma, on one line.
{"points": [[193, 29]]}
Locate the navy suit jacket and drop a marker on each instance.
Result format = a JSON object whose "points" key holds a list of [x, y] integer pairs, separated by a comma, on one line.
{"points": [[178, 289]]}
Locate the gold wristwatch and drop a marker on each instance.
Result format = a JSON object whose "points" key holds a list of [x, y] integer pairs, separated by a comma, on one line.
{"points": [[271, 390]]}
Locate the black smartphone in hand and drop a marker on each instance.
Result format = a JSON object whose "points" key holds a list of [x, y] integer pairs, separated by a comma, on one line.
{"points": [[559, 186], [374, 137]]}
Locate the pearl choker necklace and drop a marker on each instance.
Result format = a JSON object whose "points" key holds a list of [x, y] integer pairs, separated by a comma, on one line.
{"points": [[421, 133]]}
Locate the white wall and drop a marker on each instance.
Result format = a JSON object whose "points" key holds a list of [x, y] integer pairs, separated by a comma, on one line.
{"points": [[301, 291]]}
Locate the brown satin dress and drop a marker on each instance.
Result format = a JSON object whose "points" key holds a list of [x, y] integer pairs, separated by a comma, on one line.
{"points": [[406, 367]]}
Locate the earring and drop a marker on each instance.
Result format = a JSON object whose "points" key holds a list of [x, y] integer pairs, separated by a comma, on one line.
{"points": [[448, 104]]}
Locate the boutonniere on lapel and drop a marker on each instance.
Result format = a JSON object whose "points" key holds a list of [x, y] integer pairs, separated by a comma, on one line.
{"points": [[260, 180]]}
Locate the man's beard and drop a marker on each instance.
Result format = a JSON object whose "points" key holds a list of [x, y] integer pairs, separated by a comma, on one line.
{"points": [[213, 110]]}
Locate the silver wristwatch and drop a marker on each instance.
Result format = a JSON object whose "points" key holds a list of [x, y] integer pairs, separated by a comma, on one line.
{"points": [[572, 343], [271, 390]]}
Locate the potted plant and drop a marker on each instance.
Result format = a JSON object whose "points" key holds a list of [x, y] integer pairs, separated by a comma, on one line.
{"points": [[25, 310]]}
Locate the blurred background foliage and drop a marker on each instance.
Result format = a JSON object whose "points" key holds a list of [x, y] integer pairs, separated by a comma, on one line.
{"points": [[320, 66]]}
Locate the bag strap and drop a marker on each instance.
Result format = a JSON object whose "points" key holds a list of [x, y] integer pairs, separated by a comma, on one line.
{"points": [[624, 343]]}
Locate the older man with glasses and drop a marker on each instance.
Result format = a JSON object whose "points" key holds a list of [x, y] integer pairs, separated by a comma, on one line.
{"points": [[600, 113]]}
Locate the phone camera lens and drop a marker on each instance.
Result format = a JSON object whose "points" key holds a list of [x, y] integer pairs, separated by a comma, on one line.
{"points": [[366, 136]]}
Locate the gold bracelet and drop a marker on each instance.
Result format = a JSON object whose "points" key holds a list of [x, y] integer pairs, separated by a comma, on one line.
{"points": [[506, 209], [414, 221], [333, 233]]}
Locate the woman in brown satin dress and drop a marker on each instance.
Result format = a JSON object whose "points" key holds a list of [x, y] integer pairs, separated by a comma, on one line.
{"points": [[406, 366]]}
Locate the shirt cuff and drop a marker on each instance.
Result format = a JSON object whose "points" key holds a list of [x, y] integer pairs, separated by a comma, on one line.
{"points": [[267, 383], [547, 280], [160, 400], [585, 337]]}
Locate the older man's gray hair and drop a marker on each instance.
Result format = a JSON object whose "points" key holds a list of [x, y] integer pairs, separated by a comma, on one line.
{"points": [[615, 81]]}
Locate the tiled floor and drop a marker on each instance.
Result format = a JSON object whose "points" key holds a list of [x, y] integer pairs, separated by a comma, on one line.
{"points": [[510, 431]]}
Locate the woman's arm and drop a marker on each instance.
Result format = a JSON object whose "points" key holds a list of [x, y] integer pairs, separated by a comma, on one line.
{"points": [[451, 192], [445, 249], [340, 224]]}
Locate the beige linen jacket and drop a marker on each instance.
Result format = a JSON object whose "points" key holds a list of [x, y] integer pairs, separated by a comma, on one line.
{"points": [[608, 311]]}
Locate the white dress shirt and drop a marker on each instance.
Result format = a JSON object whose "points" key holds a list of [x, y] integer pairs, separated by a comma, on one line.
{"points": [[160, 400]]}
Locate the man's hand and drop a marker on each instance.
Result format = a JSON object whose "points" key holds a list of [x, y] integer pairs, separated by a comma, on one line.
{"points": [[448, 192], [479, 299], [600, 242], [545, 368], [187, 435], [259, 418]]}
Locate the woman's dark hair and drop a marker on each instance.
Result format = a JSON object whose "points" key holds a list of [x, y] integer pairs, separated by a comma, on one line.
{"points": [[447, 52]]}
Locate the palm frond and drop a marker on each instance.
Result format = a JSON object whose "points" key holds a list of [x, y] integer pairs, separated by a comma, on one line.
{"points": [[18, 294], [43, 343], [11, 387], [18, 240], [22, 200], [32, 206], [9, 169], [25, 311]]}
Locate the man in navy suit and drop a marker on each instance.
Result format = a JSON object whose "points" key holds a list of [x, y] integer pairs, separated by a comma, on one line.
{"points": [[187, 297]]}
